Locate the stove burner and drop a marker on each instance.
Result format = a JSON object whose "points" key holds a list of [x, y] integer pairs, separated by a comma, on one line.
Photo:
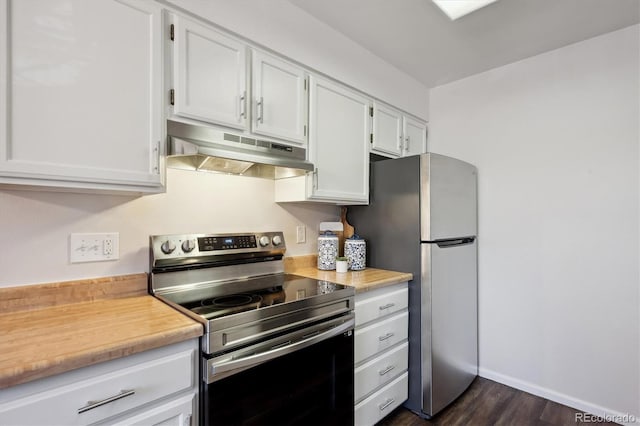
{"points": [[226, 305], [232, 300]]}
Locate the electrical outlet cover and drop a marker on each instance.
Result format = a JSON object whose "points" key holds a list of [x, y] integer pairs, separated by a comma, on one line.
{"points": [[93, 247]]}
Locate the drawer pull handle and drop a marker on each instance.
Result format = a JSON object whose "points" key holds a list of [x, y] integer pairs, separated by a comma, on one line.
{"points": [[387, 306], [95, 404], [386, 336], [386, 370], [387, 403]]}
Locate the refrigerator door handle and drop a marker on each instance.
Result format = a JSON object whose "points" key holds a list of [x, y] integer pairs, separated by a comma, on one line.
{"points": [[454, 242]]}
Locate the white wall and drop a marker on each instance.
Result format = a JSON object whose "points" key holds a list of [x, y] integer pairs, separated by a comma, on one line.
{"points": [[35, 226], [555, 138], [292, 32]]}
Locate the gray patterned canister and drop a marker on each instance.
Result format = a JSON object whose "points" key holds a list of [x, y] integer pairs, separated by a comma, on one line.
{"points": [[327, 251], [355, 250]]}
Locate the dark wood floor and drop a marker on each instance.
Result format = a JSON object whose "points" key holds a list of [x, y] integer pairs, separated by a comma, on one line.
{"points": [[489, 403]]}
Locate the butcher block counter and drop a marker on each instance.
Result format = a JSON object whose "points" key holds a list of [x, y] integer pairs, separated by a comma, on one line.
{"points": [[47, 329], [53, 328], [364, 280]]}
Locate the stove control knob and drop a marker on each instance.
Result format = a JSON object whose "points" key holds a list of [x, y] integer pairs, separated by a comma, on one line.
{"points": [[277, 240], [264, 241], [188, 245], [167, 247]]}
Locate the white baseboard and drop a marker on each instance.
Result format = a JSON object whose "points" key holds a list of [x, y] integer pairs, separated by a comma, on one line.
{"points": [[626, 419]]}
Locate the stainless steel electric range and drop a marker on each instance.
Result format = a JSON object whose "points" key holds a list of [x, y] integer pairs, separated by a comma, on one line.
{"points": [[277, 348]]}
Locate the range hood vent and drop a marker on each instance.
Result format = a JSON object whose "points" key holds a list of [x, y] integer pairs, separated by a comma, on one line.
{"points": [[202, 148]]}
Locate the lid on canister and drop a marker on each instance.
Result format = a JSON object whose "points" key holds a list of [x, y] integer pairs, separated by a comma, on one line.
{"points": [[355, 237], [327, 234]]}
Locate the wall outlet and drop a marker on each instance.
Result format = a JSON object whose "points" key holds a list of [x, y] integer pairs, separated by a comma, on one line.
{"points": [[94, 247], [301, 234]]}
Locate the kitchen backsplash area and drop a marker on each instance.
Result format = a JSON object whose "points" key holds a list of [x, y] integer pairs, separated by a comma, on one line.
{"points": [[36, 225]]}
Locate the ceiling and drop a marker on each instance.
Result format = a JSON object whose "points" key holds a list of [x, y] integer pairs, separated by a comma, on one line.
{"points": [[419, 39]]}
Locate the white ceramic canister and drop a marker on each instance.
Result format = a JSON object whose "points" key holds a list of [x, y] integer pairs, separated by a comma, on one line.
{"points": [[327, 251], [355, 250]]}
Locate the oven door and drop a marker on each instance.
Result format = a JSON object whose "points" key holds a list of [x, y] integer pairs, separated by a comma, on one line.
{"points": [[301, 378]]}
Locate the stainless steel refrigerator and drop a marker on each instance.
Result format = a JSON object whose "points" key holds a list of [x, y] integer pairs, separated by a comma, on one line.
{"points": [[422, 218]]}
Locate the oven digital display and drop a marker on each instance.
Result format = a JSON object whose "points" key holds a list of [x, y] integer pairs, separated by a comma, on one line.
{"points": [[226, 243]]}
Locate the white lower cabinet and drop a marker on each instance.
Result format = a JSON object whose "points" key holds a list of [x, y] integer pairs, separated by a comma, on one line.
{"points": [[156, 387], [383, 402], [381, 352], [376, 373]]}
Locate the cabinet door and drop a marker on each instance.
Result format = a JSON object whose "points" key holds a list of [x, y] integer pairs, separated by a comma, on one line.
{"points": [[279, 93], [209, 75], [415, 137], [83, 82], [387, 130], [338, 143]]}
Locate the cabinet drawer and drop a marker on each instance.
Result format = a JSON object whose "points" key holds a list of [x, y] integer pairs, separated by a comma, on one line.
{"points": [[380, 335], [380, 303], [105, 395], [176, 412], [381, 403], [381, 370]]}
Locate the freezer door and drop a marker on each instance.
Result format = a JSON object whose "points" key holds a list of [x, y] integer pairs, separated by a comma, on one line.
{"points": [[448, 197], [450, 321]]}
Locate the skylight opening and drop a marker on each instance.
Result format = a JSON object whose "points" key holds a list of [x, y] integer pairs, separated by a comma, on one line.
{"points": [[455, 9]]}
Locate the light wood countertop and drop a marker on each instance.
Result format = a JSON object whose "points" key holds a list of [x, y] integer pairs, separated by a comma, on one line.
{"points": [[102, 320], [49, 329], [365, 280]]}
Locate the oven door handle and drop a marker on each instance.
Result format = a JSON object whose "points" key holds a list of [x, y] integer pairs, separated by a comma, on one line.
{"points": [[216, 368]]}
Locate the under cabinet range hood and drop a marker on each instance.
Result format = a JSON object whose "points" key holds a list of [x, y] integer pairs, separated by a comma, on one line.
{"points": [[203, 148]]}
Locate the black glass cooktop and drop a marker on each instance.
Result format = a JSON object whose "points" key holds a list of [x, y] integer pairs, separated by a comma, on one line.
{"points": [[216, 300]]}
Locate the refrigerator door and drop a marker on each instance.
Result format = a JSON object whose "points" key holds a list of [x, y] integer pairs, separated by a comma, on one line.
{"points": [[449, 318], [448, 198]]}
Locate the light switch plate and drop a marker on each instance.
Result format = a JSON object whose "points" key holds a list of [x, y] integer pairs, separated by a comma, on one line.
{"points": [[301, 234], [94, 247]]}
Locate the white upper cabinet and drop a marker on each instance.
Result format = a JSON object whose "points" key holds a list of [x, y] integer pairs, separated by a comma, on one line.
{"points": [[415, 136], [210, 75], [280, 98], [396, 134], [387, 130], [210, 84], [81, 94], [339, 129]]}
